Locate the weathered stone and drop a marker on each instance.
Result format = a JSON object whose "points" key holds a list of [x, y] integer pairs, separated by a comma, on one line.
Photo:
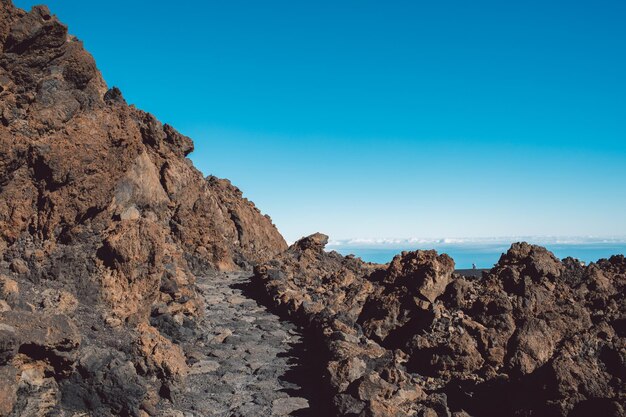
{"points": [[105, 382], [19, 266], [221, 336], [161, 356], [203, 367], [343, 373], [286, 406], [9, 342], [51, 338], [9, 289], [8, 389], [58, 301]]}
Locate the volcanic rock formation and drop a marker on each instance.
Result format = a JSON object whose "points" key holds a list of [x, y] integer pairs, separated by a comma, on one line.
{"points": [[105, 224], [103, 220], [533, 337]]}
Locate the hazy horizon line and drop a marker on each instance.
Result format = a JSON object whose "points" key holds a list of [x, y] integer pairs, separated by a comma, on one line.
{"points": [[537, 239]]}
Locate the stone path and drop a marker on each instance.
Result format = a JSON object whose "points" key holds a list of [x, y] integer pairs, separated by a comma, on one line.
{"points": [[243, 359]]}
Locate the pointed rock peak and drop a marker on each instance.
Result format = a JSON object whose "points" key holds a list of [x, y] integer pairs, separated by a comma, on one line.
{"points": [[535, 261], [114, 95]]}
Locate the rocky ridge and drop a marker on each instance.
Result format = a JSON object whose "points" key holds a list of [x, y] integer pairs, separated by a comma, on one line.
{"points": [[532, 336], [103, 223]]}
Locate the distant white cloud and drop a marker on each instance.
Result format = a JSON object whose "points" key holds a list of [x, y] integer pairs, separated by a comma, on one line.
{"points": [[473, 241]]}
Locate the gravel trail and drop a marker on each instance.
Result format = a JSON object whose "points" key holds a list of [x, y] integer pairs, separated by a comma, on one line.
{"points": [[243, 358]]}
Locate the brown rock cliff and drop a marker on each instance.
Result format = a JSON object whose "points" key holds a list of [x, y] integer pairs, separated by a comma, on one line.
{"points": [[103, 220]]}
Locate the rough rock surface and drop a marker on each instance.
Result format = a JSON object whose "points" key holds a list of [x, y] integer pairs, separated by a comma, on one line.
{"points": [[103, 222], [105, 225], [533, 336], [241, 357]]}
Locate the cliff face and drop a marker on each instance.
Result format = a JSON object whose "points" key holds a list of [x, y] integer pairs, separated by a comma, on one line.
{"points": [[102, 221], [533, 337]]}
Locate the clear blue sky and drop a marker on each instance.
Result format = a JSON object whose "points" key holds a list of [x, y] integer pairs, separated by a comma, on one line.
{"points": [[387, 118]]}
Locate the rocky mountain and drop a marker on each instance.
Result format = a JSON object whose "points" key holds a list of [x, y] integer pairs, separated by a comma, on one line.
{"points": [[103, 221]]}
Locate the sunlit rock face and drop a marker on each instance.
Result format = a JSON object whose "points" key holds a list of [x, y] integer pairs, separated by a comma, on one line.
{"points": [[532, 336], [103, 221]]}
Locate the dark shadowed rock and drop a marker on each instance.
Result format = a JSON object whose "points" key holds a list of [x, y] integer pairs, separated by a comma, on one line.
{"points": [[114, 95], [105, 381], [533, 336], [423, 273]]}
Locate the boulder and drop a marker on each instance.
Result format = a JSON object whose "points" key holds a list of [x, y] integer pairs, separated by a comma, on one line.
{"points": [[53, 339]]}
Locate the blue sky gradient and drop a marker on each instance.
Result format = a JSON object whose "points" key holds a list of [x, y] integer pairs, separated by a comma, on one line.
{"points": [[379, 119]]}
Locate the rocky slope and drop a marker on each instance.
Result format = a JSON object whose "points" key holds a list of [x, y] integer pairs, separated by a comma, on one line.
{"points": [[533, 337], [103, 221], [105, 224]]}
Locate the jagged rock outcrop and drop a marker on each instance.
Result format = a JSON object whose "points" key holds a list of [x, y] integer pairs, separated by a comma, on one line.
{"points": [[533, 336], [310, 280], [326, 292], [103, 220]]}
